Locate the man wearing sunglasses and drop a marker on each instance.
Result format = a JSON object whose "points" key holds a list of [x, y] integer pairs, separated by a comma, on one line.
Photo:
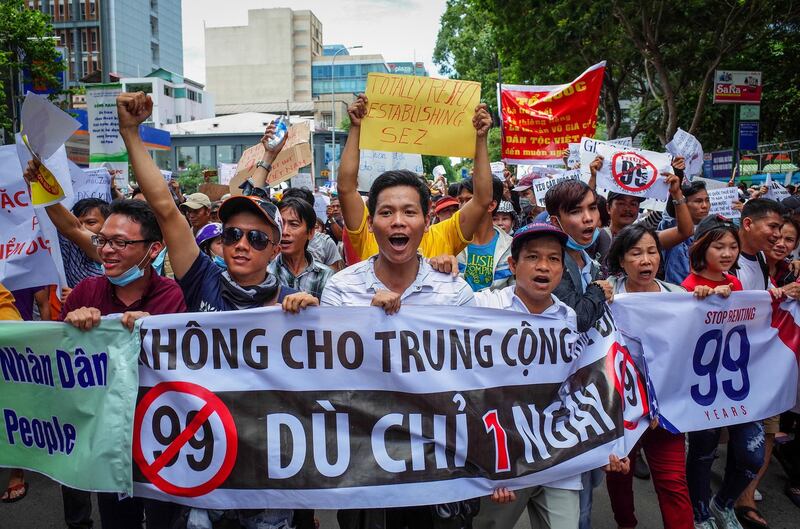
{"points": [[251, 233]]}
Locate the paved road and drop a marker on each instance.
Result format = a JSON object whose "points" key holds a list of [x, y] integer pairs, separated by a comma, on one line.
{"points": [[42, 508]]}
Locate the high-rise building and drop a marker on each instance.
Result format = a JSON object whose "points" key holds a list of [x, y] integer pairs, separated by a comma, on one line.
{"points": [[111, 39], [266, 61]]}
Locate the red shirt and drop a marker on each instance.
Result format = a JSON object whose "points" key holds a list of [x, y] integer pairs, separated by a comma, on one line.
{"points": [[694, 280], [162, 296]]}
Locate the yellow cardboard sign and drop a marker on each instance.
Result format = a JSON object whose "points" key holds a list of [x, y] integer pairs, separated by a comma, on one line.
{"points": [[294, 155], [45, 189], [421, 115]]}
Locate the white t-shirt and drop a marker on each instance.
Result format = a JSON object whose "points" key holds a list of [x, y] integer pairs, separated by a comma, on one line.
{"points": [[750, 273]]}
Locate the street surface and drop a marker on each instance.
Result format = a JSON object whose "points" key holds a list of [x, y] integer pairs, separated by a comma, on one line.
{"points": [[42, 508]]}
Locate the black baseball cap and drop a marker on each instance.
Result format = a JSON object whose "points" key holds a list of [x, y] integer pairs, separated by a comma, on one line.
{"points": [[713, 222], [262, 207], [613, 195], [534, 230]]}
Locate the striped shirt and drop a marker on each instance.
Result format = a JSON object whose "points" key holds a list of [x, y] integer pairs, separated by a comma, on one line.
{"points": [[356, 286]]}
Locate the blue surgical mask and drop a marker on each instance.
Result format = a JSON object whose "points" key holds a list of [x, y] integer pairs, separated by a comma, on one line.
{"points": [[220, 262], [131, 274], [572, 244], [158, 262]]}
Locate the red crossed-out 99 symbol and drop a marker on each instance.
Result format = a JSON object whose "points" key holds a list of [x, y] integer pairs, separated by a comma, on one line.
{"points": [[629, 384]]}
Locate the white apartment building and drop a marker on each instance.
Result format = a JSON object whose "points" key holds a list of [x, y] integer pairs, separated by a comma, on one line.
{"points": [[175, 98]]}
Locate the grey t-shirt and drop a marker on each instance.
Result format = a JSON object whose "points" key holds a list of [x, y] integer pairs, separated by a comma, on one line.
{"points": [[324, 249]]}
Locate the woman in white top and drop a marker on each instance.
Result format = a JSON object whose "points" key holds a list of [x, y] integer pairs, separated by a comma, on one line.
{"points": [[633, 261]]}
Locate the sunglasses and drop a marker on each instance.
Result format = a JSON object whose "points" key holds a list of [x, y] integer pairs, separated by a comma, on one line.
{"points": [[257, 238]]}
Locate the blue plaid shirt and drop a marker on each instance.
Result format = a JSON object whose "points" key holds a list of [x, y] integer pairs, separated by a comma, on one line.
{"points": [[311, 280]]}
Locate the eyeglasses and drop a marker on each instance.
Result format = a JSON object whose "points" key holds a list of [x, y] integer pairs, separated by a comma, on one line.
{"points": [[116, 244], [257, 238]]}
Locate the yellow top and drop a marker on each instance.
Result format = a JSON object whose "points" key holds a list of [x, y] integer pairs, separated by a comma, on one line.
{"points": [[443, 238], [7, 309]]}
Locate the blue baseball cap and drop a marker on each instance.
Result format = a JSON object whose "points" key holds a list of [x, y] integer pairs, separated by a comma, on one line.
{"points": [[537, 229]]}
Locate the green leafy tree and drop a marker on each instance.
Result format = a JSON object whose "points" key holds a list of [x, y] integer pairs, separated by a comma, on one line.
{"points": [[26, 44], [191, 178], [660, 56], [429, 162]]}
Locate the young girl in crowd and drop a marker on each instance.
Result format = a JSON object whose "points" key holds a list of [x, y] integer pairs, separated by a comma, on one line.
{"points": [[633, 260], [713, 254]]}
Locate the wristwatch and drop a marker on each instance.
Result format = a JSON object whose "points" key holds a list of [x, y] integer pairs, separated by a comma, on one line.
{"points": [[680, 201], [266, 166]]}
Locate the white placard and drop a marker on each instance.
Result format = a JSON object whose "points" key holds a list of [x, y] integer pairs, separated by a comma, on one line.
{"points": [[497, 169], [686, 145], [541, 185], [226, 172], [634, 172], [722, 200], [588, 152], [374, 163], [775, 191], [303, 180]]}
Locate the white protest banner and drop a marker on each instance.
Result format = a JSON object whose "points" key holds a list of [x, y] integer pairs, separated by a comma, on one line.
{"points": [[106, 148], [226, 172], [373, 163], [166, 174], [29, 252], [775, 191], [722, 200], [718, 362], [303, 180], [497, 169], [633, 171], [345, 407], [45, 129], [88, 183], [686, 145], [588, 152], [541, 185]]}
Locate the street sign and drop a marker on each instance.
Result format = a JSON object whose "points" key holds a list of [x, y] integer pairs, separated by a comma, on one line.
{"points": [[721, 164], [750, 112], [737, 87], [748, 135]]}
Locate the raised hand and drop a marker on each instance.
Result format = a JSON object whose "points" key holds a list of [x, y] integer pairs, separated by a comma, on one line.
{"points": [[358, 110], [482, 120], [133, 108]]}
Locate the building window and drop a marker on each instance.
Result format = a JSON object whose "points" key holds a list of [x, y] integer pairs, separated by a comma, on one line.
{"points": [[178, 118], [187, 155], [92, 10], [205, 158], [154, 52], [167, 91], [225, 154], [153, 5], [147, 88]]}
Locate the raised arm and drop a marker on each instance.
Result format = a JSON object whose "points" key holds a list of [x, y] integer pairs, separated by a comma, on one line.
{"points": [[65, 222], [133, 109], [475, 209], [685, 227], [347, 184]]}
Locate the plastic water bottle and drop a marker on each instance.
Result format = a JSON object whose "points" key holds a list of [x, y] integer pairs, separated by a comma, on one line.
{"points": [[281, 129]]}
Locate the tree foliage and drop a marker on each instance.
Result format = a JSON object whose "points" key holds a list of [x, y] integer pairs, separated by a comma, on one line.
{"points": [[660, 57], [26, 44]]}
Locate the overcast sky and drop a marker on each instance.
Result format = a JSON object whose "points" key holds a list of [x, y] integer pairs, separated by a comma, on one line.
{"points": [[400, 30]]}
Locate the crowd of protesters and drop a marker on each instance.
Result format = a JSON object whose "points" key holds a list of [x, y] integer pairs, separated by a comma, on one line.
{"points": [[481, 242]]}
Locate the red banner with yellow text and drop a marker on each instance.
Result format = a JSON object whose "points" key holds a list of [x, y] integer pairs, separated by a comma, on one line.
{"points": [[539, 122]]}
